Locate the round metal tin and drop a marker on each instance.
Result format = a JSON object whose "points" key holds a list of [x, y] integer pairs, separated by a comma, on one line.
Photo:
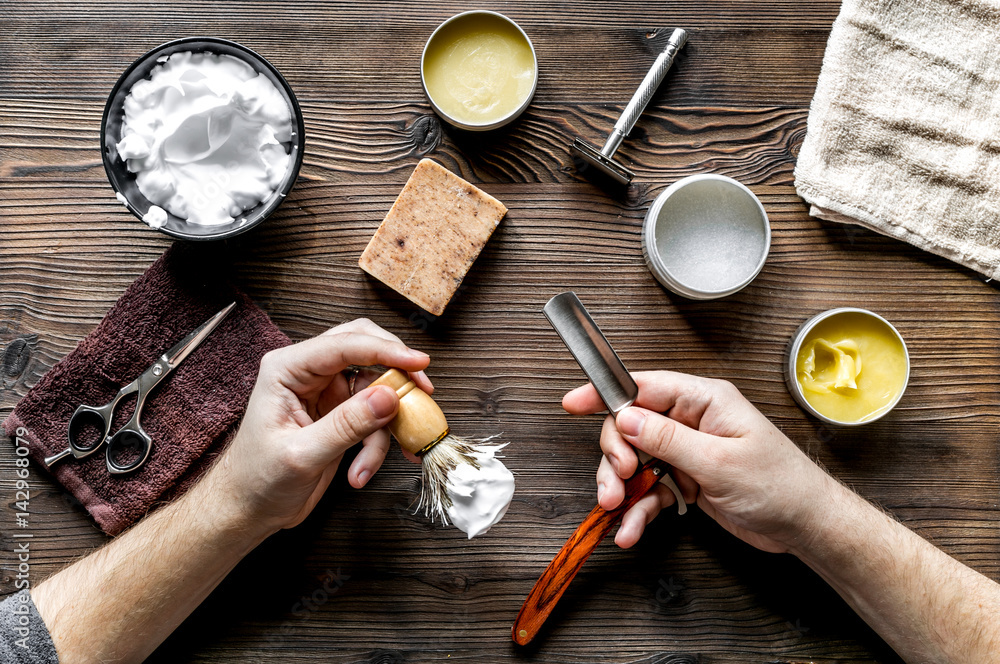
{"points": [[706, 236], [791, 379], [495, 124]]}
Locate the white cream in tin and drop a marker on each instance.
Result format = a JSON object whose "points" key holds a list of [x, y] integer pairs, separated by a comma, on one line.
{"points": [[205, 136]]}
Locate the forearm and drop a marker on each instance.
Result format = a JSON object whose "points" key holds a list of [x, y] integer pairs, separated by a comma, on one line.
{"points": [[121, 602], [924, 603]]}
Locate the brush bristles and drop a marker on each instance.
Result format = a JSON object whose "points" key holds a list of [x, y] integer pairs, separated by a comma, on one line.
{"points": [[435, 465]]}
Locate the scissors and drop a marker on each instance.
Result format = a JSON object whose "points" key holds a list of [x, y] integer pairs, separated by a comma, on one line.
{"points": [[129, 447]]}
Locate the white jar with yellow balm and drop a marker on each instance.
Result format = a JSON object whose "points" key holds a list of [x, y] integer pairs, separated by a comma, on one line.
{"points": [[847, 366], [479, 70]]}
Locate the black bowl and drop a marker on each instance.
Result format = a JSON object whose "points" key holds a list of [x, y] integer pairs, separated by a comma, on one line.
{"points": [[123, 181]]}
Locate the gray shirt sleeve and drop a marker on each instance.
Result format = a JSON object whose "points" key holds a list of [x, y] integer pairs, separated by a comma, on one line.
{"points": [[24, 639]]}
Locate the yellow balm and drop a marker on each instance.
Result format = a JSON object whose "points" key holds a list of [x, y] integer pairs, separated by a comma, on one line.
{"points": [[479, 70], [851, 366]]}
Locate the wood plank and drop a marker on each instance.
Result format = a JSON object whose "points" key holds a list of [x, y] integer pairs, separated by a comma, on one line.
{"points": [[737, 54], [382, 141], [258, 16], [522, 401]]}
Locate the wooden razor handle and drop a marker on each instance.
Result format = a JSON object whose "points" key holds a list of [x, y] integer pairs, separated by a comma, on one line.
{"points": [[419, 423], [557, 576]]}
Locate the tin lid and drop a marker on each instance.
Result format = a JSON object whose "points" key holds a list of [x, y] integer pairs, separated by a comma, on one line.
{"points": [[706, 236]]}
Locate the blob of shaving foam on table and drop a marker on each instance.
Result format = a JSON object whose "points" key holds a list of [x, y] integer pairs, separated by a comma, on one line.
{"points": [[479, 496], [205, 136]]}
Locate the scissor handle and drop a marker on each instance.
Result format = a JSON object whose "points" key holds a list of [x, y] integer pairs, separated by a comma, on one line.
{"points": [[84, 418], [100, 417], [128, 449]]}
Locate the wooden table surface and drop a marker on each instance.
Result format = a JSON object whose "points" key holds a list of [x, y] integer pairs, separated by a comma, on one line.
{"points": [[363, 580]]}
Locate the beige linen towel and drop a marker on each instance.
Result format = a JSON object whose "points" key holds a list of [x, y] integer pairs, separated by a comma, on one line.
{"points": [[904, 131]]}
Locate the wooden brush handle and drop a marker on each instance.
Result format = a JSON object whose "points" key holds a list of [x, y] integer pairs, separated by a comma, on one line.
{"points": [[560, 572], [419, 422]]}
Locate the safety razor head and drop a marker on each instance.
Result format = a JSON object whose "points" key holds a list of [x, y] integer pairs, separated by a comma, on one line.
{"points": [[591, 156]]}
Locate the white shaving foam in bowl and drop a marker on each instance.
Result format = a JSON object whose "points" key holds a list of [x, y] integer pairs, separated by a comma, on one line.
{"points": [[205, 136]]}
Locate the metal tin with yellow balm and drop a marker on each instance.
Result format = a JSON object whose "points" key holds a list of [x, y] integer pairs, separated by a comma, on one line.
{"points": [[847, 366], [479, 70]]}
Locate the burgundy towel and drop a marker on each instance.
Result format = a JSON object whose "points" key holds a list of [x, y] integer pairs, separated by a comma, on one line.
{"points": [[190, 415]]}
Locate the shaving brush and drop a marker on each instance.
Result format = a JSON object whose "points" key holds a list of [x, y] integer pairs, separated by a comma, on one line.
{"points": [[421, 428]]}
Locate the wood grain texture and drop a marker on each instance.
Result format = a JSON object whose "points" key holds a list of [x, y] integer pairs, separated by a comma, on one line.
{"points": [[739, 53], [363, 580]]}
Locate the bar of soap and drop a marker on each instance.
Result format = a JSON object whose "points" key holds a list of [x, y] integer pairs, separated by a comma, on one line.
{"points": [[431, 236]]}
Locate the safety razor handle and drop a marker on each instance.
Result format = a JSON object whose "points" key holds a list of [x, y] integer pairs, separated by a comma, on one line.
{"points": [[647, 88]]}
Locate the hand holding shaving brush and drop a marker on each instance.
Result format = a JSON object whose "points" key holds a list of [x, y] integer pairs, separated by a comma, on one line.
{"points": [[462, 478]]}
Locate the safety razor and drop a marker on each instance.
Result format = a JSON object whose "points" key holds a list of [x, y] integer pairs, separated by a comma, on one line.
{"points": [[603, 159]]}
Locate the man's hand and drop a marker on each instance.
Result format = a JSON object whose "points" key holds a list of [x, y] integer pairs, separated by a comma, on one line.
{"points": [[301, 419], [726, 455]]}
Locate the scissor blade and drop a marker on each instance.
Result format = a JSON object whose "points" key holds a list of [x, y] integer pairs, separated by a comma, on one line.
{"points": [[178, 353]]}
